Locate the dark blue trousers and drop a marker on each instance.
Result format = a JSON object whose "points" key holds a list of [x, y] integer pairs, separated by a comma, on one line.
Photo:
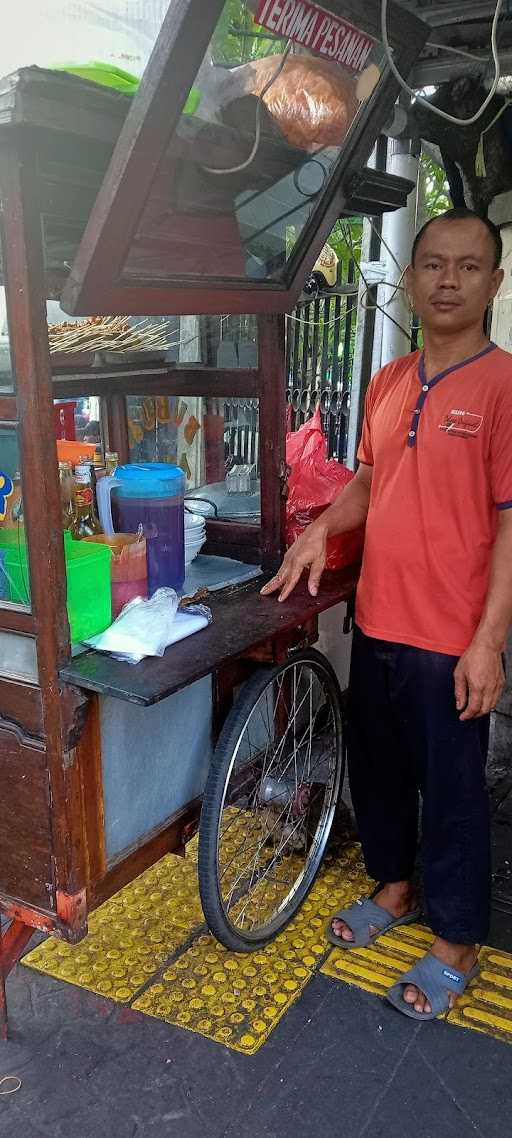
{"points": [[406, 741]]}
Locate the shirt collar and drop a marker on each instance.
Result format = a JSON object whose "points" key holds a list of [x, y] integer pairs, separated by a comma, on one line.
{"points": [[455, 367]]}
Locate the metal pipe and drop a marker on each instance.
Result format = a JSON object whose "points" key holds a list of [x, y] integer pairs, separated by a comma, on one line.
{"points": [[431, 72], [398, 233]]}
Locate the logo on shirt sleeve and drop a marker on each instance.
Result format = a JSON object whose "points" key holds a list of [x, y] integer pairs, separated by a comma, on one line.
{"points": [[463, 424]]}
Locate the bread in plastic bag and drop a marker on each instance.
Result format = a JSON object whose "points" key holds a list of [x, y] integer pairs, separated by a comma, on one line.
{"points": [[313, 484], [313, 101]]}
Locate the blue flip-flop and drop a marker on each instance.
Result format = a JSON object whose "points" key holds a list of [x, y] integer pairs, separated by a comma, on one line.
{"points": [[359, 916], [436, 981]]}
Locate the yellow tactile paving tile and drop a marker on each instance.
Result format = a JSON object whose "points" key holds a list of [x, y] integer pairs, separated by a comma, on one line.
{"points": [[130, 936], [174, 890], [487, 1003], [379, 966], [238, 999], [485, 1006]]}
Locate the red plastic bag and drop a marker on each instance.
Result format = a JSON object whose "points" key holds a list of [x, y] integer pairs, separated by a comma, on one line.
{"points": [[313, 484]]}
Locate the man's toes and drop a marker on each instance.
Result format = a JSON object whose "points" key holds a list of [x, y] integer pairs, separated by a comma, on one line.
{"points": [[342, 930], [419, 1003], [413, 996]]}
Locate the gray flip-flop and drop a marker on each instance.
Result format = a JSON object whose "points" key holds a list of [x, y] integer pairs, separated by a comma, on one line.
{"points": [[436, 980], [359, 916]]}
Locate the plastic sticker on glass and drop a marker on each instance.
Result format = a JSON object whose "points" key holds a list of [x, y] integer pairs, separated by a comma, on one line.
{"points": [[314, 28], [6, 489]]}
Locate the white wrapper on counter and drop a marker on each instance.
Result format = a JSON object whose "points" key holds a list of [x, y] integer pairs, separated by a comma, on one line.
{"points": [[147, 627]]}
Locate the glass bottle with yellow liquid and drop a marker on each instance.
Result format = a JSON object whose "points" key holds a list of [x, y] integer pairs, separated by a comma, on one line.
{"points": [[85, 522], [67, 485]]}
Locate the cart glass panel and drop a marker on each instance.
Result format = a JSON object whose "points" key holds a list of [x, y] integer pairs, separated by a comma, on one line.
{"points": [[214, 440], [268, 117], [6, 368], [7, 376], [14, 569], [238, 154]]}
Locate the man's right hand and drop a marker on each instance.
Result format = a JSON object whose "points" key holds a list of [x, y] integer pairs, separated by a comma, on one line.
{"points": [[308, 551]]}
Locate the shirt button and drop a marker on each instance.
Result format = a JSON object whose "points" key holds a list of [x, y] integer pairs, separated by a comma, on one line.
{"points": [[425, 387], [412, 434]]}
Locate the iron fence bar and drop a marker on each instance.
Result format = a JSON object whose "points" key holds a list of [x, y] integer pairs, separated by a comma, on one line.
{"points": [[325, 338], [295, 383], [350, 311], [305, 350], [314, 347], [331, 420]]}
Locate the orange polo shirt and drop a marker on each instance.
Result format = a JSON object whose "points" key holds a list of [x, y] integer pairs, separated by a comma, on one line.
{"points": [[441, 453]]}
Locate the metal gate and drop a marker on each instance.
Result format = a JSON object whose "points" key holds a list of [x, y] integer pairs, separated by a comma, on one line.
{"points": [[320, 335], [319, 357]]}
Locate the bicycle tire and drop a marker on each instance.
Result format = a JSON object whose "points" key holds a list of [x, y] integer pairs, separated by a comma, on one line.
{"points": [[213, 802]]}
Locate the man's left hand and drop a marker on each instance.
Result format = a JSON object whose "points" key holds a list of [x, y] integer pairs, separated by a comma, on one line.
{"points": [[479, 681]]}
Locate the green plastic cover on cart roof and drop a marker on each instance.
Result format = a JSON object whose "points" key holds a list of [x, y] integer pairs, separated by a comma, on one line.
{"points": [[109, 76]]}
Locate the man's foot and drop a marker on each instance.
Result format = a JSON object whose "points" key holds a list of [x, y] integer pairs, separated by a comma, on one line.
{"points": [[460, 956], [398, 898]]}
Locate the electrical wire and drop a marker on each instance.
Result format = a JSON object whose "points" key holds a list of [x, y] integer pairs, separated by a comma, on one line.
{"points": [[424, 102], [396, 286], [387, 284], [379, 307], [386, 246], [257, 138], [316, 323]]}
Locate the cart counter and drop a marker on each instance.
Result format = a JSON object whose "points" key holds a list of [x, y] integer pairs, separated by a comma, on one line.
{"points": [[243, 621]]}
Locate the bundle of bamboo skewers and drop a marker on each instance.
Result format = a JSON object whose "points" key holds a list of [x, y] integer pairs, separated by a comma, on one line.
{"points": [[108, 333]]}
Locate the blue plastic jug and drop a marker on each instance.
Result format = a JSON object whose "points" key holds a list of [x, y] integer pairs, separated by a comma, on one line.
{"points": [[150, 495]]}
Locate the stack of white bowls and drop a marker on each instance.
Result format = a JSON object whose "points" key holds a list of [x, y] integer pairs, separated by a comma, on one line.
{"points": [[195, 535]]}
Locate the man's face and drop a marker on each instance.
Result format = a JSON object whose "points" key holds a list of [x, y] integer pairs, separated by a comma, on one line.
{"points": [[453, 278]]}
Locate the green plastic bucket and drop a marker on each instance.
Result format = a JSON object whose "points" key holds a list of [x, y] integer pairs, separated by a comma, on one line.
{"points": [[107, 75], [89, 601]]}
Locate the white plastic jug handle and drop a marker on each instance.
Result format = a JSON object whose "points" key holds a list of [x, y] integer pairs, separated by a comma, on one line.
{"points": [[104, 500]]}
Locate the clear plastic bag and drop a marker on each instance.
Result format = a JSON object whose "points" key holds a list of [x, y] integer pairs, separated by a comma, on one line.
{"points": [[313, 484], [147, 627], [313, 101]]}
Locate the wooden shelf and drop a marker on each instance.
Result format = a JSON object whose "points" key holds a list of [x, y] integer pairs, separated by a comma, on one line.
{"points": [[242, 620]]}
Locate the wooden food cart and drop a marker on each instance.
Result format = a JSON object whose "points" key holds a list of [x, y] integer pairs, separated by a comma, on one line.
{"points": [[112, 206]]}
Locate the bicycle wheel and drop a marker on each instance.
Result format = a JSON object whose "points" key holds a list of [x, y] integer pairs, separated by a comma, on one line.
{"points": [[270, 799]]}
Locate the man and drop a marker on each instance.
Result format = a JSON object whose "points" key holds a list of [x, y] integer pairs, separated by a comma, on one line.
{"points": [[434, 603]]}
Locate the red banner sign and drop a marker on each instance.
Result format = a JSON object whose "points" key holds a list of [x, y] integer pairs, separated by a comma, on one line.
{"points": [[315, 28]]}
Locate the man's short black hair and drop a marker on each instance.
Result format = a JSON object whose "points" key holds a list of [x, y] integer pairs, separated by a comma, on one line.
{"points": [[461, 213]]}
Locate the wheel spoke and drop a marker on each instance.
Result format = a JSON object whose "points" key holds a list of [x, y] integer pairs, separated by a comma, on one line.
{"points": [[277, 802]]}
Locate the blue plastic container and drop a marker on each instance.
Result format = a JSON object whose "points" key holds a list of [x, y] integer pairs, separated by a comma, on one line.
{"points": [[150, 495]]}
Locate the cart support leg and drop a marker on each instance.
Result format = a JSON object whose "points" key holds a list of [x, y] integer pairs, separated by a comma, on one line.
{"points": [[12, 942]]}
